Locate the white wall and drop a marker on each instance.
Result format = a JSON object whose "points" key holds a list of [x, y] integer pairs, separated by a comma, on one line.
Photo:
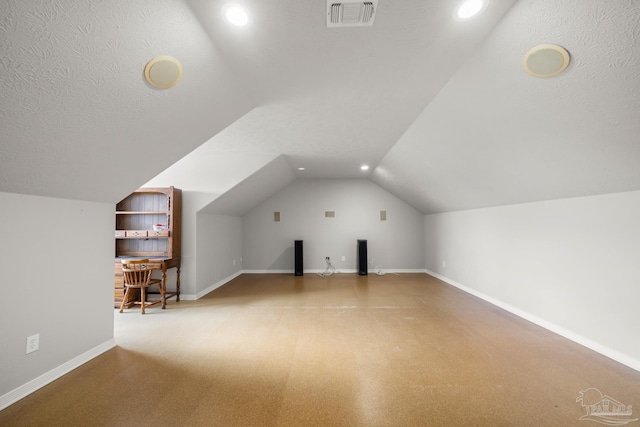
{"points": [[69, 304], [219, 248], [395, 244], [573, 265], [203, 176]]}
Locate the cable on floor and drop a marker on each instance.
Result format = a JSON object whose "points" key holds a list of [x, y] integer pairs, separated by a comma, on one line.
{"points": [[329, 270]]}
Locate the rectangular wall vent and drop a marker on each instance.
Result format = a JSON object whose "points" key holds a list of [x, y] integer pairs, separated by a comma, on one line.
{"points": [[351, 13], [329, 214]]}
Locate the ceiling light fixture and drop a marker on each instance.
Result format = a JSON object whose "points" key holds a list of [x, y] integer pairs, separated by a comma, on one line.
{"points": [[163, 72], [236, 15], [469, 8], [546, 60], [364, 167], [300, 169]]}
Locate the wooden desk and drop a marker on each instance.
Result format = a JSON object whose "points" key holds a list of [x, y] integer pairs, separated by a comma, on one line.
{"points": [[162, 264]]}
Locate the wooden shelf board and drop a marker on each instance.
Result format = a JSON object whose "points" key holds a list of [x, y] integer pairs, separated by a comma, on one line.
{"points": [[141, 213], [143, 237], [142, 254]]}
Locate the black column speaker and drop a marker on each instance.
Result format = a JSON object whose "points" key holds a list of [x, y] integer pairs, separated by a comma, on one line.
{"points": [[363, 268], [297, 250]]}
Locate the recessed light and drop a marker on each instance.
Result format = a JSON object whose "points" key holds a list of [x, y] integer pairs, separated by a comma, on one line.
{"points": [[236, 15], [469, 8], [364, 167], [546, 60], [163, 72], [300, 169]]}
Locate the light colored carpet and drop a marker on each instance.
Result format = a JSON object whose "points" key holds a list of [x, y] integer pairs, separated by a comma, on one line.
{"points": [[279, 350]]}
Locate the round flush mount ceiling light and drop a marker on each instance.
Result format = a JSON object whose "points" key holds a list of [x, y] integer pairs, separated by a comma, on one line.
{"points": [[469, 8], [236, 15], [546, 60], [163, 72]]}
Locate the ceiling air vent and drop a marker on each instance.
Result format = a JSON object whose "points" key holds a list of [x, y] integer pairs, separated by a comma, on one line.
{"points": [[350, 13]]}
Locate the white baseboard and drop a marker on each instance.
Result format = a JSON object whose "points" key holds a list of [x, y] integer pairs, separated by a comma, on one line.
{"points": [[214, 286], [398, 270], [291, 272], [267, 272], [338, 271], [579, 339], [26, 389]]}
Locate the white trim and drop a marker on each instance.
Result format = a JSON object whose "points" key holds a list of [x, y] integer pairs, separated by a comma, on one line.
{"points": [[267, 272], [306, 271], [338, 271], [26, 389], [213, 287], [579, 339], [398, 270]]}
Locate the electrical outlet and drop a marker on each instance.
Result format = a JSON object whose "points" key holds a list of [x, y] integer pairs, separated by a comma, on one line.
{"points": [[444, 264], [327, 259], [234, 262], [33, 343], [344, 258]]}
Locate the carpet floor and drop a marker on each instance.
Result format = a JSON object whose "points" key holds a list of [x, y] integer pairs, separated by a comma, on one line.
{"points": [[344, 350]]}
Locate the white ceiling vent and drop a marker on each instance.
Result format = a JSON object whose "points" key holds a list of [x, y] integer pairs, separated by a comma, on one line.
{"points": [[351, 13]]}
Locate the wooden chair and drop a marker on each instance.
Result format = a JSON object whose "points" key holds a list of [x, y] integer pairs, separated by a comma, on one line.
{"points": [[137, 275]]}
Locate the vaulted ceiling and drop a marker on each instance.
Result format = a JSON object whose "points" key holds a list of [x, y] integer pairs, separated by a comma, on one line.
{"points": [[441, 109]]}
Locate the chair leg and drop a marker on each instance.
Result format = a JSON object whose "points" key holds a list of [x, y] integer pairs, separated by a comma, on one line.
{"points": [[124, 299], [143, 298], [163, 291]]}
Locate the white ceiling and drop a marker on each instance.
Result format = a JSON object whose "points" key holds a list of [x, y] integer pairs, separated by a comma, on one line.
{"points": [[442, 110], [495, 135], [331, 99]]}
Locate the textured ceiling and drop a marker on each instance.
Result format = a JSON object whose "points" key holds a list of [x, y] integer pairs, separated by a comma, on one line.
{"points": [[253, 190], [77, 118], [442, 110], [496, 135], [333, 99]]}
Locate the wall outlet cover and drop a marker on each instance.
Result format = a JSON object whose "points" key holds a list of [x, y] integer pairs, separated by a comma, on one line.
{"points": [[33, 343]]}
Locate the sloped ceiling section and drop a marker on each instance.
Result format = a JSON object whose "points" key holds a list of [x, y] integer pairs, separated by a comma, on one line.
{"points": [[209, 170], [334, 98], [253, 190], [441, 109], [78, 119], [495, 135]]}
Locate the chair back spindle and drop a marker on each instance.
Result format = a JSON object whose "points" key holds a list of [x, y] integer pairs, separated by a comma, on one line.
{"points": [[137, 275]]}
